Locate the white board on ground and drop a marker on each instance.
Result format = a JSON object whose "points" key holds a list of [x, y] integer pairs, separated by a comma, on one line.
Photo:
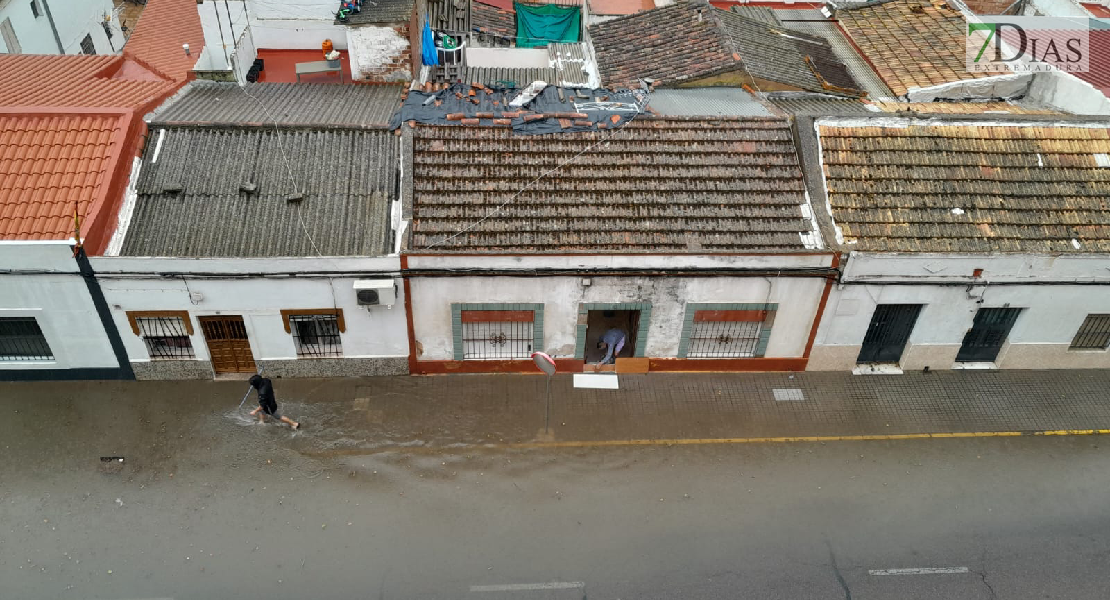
{"points": [[597, 381]]}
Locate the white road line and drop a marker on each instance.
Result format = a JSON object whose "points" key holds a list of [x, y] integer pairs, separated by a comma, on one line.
{"points": [[524, 587], [920, 571]]}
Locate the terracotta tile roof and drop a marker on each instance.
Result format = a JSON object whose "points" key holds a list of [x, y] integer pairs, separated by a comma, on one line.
{"points": [[75, 81], [619, 7], [958, 187], [965, 108], [685, 42], [658, 184], [910, 43], [51, 165], [494, 20], [1097, 10], [163, 27]]}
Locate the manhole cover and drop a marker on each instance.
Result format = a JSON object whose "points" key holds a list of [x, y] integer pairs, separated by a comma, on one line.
{"points": [[788, 395]]}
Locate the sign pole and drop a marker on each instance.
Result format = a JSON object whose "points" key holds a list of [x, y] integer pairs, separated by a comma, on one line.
{"points": [[547, 365]]}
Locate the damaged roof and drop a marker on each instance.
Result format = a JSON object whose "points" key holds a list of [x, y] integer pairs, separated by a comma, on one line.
{"points": [[909, 185], [264, 192], [685, 44], [381, 11], [911, 43], [657, 184], [211, 102]]}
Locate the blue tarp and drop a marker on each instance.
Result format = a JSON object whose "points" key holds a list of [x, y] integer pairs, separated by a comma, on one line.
{"points": [[428, 52], [543, 24]]}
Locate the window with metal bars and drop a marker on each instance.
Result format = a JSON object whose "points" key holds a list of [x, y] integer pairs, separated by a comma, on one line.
{"points": [[87, 46], [724, 339], [316, 336], [497, 340], [21, 339], [166, 338], [1094, 334]]}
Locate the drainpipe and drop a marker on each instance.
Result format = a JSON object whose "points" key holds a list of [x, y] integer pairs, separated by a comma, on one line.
{"points": [[53, 27]]}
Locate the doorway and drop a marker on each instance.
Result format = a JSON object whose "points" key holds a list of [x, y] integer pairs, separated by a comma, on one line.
{"points": [[890, 329], [228, 344], [987, 334], [600, 321]]}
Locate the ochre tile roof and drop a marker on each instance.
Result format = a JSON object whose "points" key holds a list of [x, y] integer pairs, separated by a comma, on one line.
{"points": [[1023, 187], [658, 184], [52, 165], [163, 27], [910, 43]]}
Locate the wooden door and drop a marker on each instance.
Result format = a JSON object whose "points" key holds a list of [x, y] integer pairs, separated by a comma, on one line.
{"points": [[228, 344]]}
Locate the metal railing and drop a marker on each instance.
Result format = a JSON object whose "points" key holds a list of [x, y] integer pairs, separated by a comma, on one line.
{"points": [[497, 340], [316, 336], [166, 338], [21, 339], [724, 339], [1094, 334]]}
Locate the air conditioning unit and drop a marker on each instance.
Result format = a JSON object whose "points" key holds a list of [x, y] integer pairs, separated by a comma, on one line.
{"points": [[376, 292]]}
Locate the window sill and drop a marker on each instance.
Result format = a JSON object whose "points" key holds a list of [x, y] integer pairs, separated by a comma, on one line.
{"points": [[877, 369], [1088, 350], [18, 363], [974, 366]]}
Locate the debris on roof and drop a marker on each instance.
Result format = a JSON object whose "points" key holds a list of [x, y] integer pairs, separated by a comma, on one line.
{"points": [[1019, 186], [657, 184], [553, 110], [379, 12], [687, 45]]}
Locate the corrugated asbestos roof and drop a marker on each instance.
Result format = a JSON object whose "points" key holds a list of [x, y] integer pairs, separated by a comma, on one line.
{"points": [[50, 165], [1026, 187], [512, 77], [912, 43], [669, 185], [346, 178], [810, 105], [685, 42], [733, 102], [283, 103]]}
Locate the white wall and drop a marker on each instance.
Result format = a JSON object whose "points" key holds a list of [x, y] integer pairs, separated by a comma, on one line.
{"points": [[295, 24], [371, 333], [621, 261], [508, 57], [74, 20], [1069, 93], [60, 303], [223, 24], [1039, 339], [797, 298], [374, 52]]}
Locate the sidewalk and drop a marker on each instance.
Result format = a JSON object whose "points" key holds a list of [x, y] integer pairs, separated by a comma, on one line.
{"points": [[366, 415]]}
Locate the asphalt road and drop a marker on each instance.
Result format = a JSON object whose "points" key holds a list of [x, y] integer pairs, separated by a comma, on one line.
{"points": [[213, 507]]}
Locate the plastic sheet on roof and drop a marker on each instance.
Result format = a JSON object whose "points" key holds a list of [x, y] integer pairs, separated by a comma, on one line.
{"points": [[538, 25], [554, 109]]}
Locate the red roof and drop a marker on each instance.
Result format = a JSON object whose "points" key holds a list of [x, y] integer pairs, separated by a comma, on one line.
{"points": [[1098, 74], [52, 165], [620, 7], [1098, 10], [164, 26], [69, 125]]}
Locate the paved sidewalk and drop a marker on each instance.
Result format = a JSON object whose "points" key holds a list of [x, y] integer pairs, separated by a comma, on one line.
{"points": [[360, 415]]}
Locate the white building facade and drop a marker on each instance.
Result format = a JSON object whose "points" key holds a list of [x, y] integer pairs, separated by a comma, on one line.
{"points": [[59, 27]]}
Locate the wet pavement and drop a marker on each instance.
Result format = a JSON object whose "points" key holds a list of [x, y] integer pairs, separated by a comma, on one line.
{"points": [[402, 488]]}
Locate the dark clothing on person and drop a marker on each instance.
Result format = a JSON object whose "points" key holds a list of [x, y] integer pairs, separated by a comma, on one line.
{"points": [[266, 398]]}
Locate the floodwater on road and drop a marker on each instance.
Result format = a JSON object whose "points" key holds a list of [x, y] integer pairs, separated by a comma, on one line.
{"points": [[361, 504]]}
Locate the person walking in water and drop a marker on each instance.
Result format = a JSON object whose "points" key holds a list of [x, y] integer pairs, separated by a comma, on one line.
{"points": [[267, 405], [613, 341]]}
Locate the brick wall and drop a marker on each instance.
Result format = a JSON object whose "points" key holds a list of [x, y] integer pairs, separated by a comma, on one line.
{"points": [[380, 53]]}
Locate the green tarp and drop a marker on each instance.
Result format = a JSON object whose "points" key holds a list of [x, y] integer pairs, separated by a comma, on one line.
{"points": [[543, 24]]}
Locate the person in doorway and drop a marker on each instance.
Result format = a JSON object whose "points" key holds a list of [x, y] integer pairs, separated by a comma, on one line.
{"points": [[613, 342], [267, 404]]}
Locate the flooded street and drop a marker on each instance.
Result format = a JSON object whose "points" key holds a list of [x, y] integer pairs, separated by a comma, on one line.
{"points": [[206, 504]]}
